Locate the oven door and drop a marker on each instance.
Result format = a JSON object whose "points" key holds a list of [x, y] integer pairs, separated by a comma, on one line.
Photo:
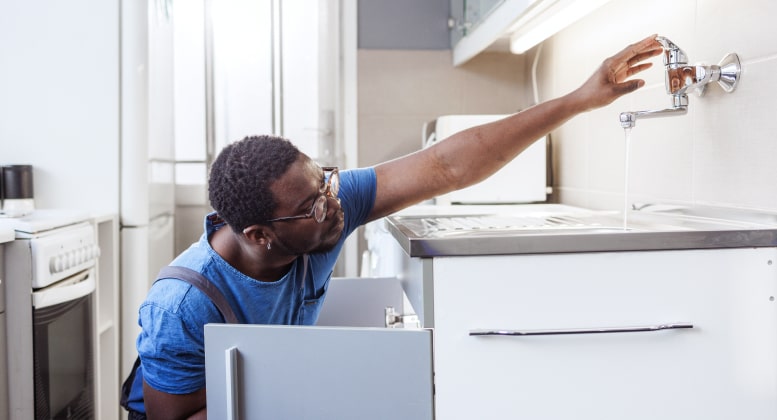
{"points": [[63, 348]]}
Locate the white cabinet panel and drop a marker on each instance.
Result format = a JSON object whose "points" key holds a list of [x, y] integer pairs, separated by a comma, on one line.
{"points": [[318, 373], [360, 301], [724, 367]]}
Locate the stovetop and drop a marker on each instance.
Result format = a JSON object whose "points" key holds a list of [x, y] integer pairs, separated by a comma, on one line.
{"points": [[41, 221]]}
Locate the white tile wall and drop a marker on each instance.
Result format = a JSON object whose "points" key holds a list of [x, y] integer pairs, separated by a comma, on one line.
{"points": [[722, 152], [399, 90]]}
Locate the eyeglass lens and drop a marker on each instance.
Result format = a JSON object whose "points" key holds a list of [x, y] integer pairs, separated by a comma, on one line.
{"points": [[333, 187], [319, 208], [318, 212], [334, 183]]}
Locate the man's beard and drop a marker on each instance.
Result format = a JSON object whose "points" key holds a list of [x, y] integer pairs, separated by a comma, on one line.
{"points": [[326, 245]]}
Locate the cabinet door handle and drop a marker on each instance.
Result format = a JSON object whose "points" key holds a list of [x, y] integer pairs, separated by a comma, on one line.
{"points": [[230, 357], [645, 328]]}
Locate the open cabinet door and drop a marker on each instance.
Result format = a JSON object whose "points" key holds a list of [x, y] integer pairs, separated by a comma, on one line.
{"points": [[318, 373], [361, 302]]}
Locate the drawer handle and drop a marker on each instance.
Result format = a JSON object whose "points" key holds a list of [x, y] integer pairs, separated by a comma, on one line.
{"points": [[646, 328]]}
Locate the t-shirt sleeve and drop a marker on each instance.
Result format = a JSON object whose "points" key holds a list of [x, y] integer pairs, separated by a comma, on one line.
{"points": [[171, 344], [357, 196]]}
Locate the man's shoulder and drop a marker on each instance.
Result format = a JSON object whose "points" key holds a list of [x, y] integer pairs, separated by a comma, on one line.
{"points": [[177, 297]]}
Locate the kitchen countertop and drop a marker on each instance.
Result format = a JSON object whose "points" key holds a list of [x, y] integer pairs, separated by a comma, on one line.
{"points": [[551, 228]]}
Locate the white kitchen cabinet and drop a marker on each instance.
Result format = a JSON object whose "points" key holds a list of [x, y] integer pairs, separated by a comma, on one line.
{"points": [[724, 367], [539, 270], [510, 25]]}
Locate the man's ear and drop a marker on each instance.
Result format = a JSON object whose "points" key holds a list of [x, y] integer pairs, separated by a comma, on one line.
{"points": [[257, 234]]}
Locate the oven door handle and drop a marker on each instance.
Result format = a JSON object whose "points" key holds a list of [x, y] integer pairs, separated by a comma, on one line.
{"points": [[66, 290]]}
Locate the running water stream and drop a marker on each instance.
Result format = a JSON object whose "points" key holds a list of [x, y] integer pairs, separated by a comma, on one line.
{"points": [[627, 133]]}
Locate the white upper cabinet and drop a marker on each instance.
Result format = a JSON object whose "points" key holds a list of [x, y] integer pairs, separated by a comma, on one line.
{"points": [[510, 25]]}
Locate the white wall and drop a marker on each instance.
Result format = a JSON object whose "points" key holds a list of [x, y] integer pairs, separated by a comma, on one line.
{"points": [[722, 152], [59, 100]]}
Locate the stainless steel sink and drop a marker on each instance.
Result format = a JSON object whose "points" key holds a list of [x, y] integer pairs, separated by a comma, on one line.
{"points": [[549, 229]]}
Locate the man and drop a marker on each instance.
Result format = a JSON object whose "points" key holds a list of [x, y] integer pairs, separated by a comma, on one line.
{"points": [[281, 221]]}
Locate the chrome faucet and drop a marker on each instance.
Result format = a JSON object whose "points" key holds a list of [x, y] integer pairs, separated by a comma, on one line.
{"points": [[681, 78]]}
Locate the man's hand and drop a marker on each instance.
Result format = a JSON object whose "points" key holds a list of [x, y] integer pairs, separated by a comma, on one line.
{"points": [[611, 79]]}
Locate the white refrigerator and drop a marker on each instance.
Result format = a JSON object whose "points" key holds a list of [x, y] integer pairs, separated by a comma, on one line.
{"points": [[147, 158]]}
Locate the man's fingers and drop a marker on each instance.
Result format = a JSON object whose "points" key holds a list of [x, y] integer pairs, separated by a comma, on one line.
{"points": [[638, 68]]}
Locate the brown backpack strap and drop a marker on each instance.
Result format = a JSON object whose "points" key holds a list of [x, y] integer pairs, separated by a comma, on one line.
{"points": [[204, 285]]}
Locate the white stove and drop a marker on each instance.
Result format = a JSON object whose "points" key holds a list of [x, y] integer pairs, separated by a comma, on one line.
{"points": [[50, 283]]}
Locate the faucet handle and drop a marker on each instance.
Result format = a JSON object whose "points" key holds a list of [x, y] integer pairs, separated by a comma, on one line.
{"points": [[673, 55]]}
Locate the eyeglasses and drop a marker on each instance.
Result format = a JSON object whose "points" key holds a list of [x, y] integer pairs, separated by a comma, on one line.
{"points": [[318, 212]]}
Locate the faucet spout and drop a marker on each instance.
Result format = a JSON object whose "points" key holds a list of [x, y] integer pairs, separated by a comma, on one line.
{"points": [[629, 119], [679, 107]]}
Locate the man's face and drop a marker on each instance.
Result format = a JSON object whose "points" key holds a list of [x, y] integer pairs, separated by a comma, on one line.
{"points": [[296, 192]]}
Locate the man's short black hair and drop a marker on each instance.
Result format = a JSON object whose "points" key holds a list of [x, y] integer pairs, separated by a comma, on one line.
{"points": [[240, 178]]}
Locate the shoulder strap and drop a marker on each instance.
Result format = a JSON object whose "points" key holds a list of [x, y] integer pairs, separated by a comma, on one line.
{"points": [[305, 272], [201, 282]]}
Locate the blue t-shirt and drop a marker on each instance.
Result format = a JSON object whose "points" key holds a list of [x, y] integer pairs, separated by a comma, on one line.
{"points": [[171, 344]]}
